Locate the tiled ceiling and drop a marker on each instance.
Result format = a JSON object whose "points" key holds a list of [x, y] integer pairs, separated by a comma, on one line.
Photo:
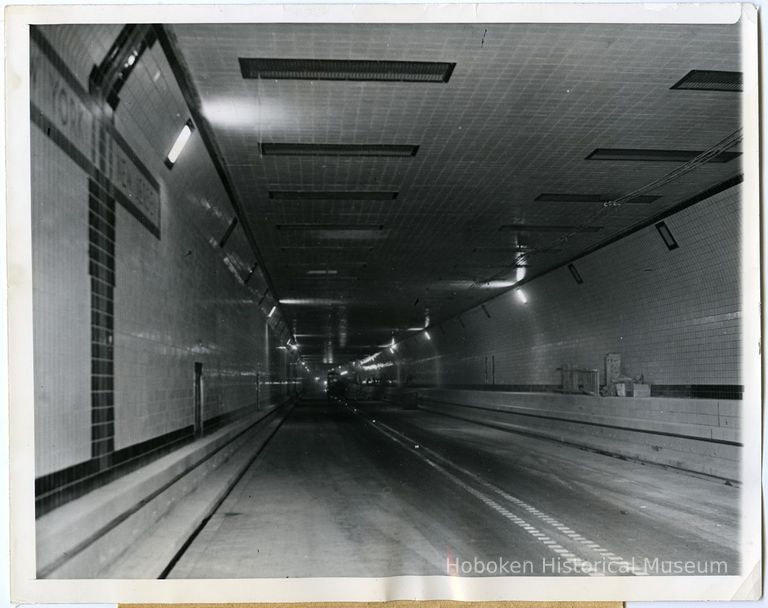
{"points": [[524, 107]]}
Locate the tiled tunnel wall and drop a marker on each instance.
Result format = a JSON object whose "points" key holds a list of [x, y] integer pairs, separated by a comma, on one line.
{"points": [[673, 315], [131, 285]]}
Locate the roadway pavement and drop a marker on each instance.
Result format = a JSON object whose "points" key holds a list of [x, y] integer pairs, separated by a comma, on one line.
{"points": [[372, 489]]}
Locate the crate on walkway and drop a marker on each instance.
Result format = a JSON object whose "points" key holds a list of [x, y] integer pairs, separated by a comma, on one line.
{"points": [[579, 380]]}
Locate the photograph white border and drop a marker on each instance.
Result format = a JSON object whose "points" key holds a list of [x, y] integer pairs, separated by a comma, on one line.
{"points": [[26, 588]]}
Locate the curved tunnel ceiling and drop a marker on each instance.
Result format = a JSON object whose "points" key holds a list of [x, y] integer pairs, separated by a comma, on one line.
{"points": [[380, 203]]}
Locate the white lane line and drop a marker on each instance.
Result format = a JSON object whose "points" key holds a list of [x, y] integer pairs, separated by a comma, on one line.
{"points": [[518, 521], [403, 439]]}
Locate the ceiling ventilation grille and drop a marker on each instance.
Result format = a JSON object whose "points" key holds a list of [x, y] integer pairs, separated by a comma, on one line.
{"points": [[345, 69], [316, 195], [334, 248], [711, 80], [283, 149], [677, 156], [590, 198], [516, 250], [547, 228], [299, 227]]}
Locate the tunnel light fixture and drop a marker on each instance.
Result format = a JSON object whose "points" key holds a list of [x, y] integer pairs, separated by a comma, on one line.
{"points": [[271, 312], [228, 233], [547, 228], [575, 274], [312, 301], [345, 69], [344, 373], [335, 248], [329, 227], [250, 273], [178, 146], [508, 249], [675, 156], [317, 378], [666, 236], [322, 272], [496, 284], [521, 296], [711, 80], [560, 197], [333, 195], [299, 149], [426, 335]]}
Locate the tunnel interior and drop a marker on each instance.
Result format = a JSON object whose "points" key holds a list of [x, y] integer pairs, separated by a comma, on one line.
{"points": [[304, 261]]}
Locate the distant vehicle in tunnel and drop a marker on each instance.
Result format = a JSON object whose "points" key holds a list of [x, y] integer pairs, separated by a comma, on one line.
{"points": [[336, 385]]}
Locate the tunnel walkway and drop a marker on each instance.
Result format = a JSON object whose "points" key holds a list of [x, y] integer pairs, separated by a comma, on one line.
{"points": [[370, 489]]}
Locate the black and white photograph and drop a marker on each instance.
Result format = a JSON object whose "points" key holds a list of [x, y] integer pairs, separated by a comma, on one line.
{"points": [[379, 303]]}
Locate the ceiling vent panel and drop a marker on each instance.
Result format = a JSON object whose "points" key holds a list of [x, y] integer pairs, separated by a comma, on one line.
{"points": [[675, 156], [329, 227], [345, 69], [282, 149], [321, 248], [591, 198], [516, 251], [711, 80], [547, 228], [316, 195]]}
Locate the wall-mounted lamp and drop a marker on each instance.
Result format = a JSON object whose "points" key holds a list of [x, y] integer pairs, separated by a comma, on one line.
{"points": [[666, 235], [575, 274], [178, 146]]}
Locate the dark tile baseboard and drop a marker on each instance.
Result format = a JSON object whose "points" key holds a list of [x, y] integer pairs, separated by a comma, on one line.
{"points": [[60, 487], [685, 391]]}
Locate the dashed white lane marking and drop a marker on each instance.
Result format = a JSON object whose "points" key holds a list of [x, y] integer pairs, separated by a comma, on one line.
{"points": [[549, 543]]}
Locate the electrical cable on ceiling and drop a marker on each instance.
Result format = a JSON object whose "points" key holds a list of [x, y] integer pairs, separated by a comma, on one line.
{"points": [[725, 144]]}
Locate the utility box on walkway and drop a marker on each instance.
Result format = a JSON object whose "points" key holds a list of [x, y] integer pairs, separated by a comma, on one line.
{"points": [[612, 368]]}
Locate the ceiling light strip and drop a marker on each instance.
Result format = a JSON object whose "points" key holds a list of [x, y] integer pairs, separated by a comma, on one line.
{"points": [[325, 195], [547, 228], [345, 69], [711, 80], [301, 227], [649, 155], [365, 150], [335, 248], [558, 197]]}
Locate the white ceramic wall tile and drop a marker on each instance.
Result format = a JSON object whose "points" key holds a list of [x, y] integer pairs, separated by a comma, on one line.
{"points": [[61, 308], [177, 301], [675, 316]]}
